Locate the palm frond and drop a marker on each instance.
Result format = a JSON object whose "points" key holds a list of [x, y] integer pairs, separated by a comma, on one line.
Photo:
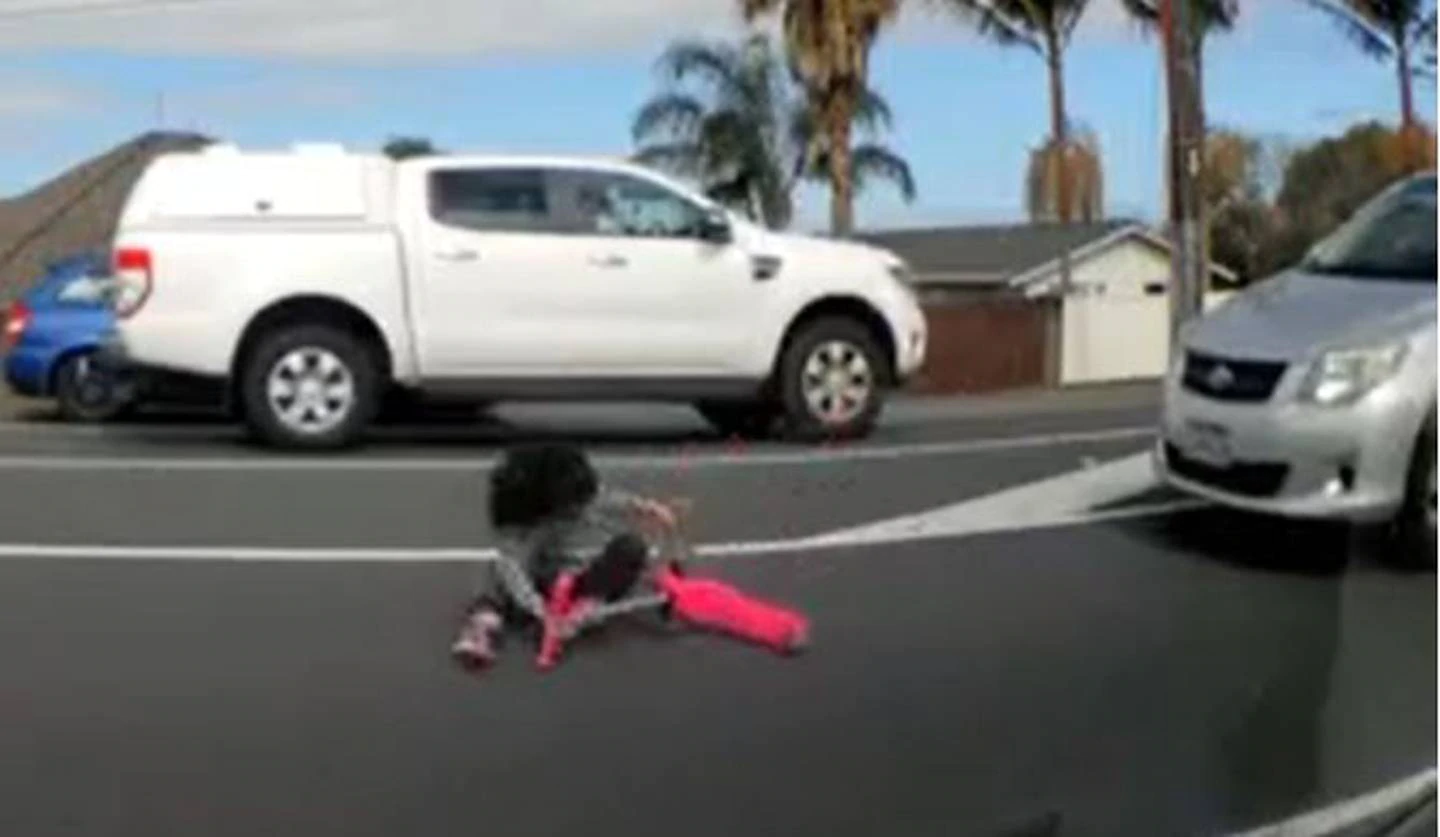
{"points": [[735, 193], [1214, 15], [752, 9], [668, 114], [876, 162], [1069, 15], [685, 159], [718, 65], [872, 111], [1422, 41], [1366, 35], [1001, 23], [1146, 11], [1425, 29]]}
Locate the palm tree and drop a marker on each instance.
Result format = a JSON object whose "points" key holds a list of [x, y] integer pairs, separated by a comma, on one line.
{"points": [[869, 161], [749, 134], [732, 136], [1087, 179], [404, 148], [1206, 17], [828, 43], [1402, 31], [1045, 27]]}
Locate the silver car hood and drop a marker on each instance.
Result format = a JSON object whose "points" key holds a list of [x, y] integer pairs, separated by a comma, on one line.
{"points": [[1297, 314]]}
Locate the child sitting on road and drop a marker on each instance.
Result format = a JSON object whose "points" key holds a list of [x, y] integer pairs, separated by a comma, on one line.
{"points": [[553, 516]]}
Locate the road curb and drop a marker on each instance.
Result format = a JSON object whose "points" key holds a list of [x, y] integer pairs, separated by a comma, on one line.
{"points": [[1077, 399]]}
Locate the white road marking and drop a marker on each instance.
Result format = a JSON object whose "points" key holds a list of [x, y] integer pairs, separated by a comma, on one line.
{"points": [[443, 555], [1072, 499], [111, 431], [325, 555], [1066, 499], [681, 458], [1349, 812]]}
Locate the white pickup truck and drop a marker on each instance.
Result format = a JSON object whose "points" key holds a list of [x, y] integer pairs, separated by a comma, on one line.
{"points": [[315, 281]]}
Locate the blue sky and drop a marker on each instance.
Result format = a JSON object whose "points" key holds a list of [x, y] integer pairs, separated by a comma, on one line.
{"points": [[967, 111]]}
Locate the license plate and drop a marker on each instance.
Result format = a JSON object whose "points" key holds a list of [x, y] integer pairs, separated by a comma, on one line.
{"points": [[1206, 443]]}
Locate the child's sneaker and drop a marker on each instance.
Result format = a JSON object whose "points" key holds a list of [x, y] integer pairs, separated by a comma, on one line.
{"points": [[475, 646]]}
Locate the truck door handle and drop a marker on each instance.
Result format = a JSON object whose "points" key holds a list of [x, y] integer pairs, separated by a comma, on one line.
{"points": [[458, 254], [611, 261]]}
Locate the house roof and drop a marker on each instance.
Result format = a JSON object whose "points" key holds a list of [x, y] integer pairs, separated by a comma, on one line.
{"points": [[76, 211], [987, 255], [1011, 254]]}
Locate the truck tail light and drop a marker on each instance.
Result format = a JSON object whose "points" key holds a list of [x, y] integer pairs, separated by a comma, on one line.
{"points": [[17, 319], [134, 279]]}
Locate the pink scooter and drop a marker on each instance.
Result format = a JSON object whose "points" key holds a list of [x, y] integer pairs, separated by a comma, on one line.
{"points": [[702, 602]]}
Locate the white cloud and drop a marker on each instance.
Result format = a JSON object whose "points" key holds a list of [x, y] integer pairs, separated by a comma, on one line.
{"points": [[265, 95], [401, 29], [360, 29], [224, 108], [41, 99], [931, 22]]}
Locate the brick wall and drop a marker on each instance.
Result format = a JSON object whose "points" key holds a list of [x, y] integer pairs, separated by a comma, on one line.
{"points": [[985, 345]]}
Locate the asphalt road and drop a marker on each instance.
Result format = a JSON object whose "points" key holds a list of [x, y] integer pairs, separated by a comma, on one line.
{"points": [[1186, 673]]}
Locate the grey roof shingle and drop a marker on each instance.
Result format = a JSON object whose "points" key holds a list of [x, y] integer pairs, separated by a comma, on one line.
{"points": [[988, 254], [77, 210]]}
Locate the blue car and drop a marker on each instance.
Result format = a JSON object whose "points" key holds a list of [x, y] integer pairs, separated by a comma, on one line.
{"points": [[50, 338]]}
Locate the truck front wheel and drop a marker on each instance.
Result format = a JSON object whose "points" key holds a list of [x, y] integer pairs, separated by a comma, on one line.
{"points": [[831, 381], [309, 386]]}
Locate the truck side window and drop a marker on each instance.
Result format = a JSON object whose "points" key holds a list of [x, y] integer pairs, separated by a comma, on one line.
{"points": [[491, 200], [621, 205]]}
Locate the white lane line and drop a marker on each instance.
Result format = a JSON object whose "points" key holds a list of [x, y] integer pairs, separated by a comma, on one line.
{"points": [[1072, 499], [1349, 812], [1066, 499], [442, 555], [699, 458], [324, 555], [245, 554], [58, 428]]}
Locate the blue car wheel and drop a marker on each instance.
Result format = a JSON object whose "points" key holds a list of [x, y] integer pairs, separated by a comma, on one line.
{"points": [[86, 391]]}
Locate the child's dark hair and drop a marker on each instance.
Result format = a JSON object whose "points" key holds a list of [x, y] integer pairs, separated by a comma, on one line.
{"points": [[535, 482]]}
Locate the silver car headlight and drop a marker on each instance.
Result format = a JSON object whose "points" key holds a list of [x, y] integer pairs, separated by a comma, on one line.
{"points": [[1343, 376]]}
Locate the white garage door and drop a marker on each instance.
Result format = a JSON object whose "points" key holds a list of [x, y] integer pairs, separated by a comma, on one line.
{"points": [[1114, 338]]}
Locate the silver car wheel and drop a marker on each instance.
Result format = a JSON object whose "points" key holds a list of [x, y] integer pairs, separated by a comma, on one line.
{"points": [[837, 382], [310, 390], [1428, 509]]}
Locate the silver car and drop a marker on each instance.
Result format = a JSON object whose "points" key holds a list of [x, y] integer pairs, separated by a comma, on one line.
{"points": [[1312, 394]]}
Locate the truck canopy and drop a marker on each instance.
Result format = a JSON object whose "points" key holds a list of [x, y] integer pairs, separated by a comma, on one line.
{"points": [[223, 184]]}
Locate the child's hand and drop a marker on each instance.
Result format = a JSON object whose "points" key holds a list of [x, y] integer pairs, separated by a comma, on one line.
{"points": [[666, 516]]}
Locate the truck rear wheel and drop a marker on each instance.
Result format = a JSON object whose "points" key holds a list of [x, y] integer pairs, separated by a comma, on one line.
{"points": [[831, 381], [309, 386]]}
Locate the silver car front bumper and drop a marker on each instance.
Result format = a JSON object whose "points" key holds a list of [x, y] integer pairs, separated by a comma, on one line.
{"points": [[1287, 458]]}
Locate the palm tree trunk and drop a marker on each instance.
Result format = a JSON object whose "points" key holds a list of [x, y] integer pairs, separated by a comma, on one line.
{"points": [[842, 174], [1059, 130], [1402, 67], [1410, 138], [1204, 211], [1060, 137]]}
